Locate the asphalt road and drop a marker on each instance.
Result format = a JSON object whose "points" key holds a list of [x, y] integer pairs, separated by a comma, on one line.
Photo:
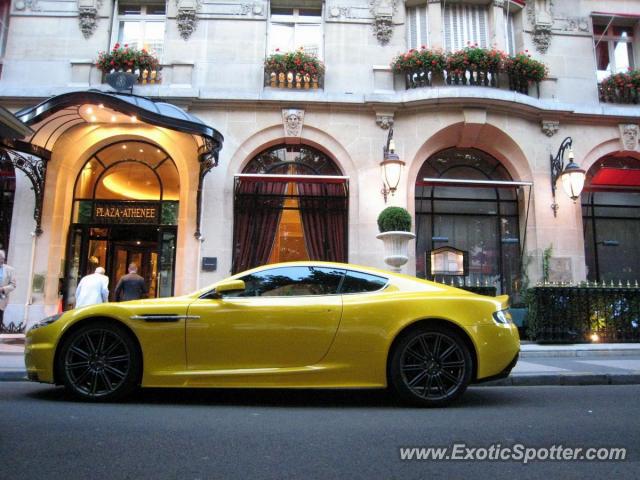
{"points": [[210, 434]]}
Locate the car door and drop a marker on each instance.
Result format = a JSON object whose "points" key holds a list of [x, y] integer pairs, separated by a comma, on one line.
{"points": [[286, 317]]}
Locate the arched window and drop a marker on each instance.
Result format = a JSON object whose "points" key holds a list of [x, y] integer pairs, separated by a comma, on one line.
{"points": [[461, 204], [7, 195], [611, 220], [291, 203]]}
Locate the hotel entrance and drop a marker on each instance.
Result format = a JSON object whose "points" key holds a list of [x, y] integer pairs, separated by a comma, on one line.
{"points": [[125, 210]]}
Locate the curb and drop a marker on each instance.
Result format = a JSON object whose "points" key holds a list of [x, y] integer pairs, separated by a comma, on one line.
{"points": [[15, 376], [567, 379], [605, 352]]}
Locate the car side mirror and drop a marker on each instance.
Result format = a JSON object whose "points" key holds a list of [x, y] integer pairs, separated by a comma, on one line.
{"points": [[229, 286]]}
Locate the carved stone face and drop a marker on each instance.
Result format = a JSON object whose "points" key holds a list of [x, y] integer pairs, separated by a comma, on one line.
{"points": [[293, 121], [629, 136]]}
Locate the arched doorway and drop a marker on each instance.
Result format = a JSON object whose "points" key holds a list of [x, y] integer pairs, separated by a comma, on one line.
{"points": [[465, 199], [125, 210], [291, 203], [611, 220], [7, 195]]}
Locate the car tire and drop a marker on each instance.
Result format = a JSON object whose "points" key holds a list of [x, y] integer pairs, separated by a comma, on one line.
{"points": [[430, 366], [100, 362]]}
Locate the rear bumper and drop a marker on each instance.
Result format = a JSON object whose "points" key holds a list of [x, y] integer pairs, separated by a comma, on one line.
{"points": [[503, 374], [497, 348]]}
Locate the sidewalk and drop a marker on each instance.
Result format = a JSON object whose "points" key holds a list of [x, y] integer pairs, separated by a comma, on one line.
{"points": [[578, 364]]}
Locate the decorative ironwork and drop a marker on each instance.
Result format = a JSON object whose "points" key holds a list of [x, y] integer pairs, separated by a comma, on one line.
{"points": [[302, 159], [35, 169], [557, 166], [621, 94], [208, 159], [481, 78], [521, 85], [491, 212], [585, 313], [7, 196]]}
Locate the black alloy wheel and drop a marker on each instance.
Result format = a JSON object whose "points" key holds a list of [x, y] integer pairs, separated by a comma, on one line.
{"points": [[100, 362], [431, 366]]}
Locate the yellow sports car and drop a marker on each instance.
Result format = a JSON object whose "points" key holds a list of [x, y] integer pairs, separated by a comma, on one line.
{"points": [[298, 325]]}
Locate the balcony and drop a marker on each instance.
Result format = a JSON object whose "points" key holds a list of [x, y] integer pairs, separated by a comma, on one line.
{"points": [[620, 87], [419, 78], [473, 65], [293, 80], [619, 94]]}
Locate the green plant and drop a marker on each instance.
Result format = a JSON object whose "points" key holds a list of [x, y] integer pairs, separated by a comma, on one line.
{"points": [[546, 258], [522, 66], [523, 287], [125, 58], [298, 61], [425, 58], [394, 219], [475, 58], [630, 79]]}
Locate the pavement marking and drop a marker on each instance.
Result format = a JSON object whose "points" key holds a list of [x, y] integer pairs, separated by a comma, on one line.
{"points": [[624, 364], [527, 367]]}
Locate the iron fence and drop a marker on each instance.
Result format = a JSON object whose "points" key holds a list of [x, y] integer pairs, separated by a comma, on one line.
{"points": [[574, 314]]}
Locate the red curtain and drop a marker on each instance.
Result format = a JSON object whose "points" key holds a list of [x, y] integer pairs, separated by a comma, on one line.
{"points": [[257, 210], [323, 209]]}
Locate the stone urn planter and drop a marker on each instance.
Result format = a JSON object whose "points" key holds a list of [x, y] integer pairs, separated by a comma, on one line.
{"points": [[396, 248]]}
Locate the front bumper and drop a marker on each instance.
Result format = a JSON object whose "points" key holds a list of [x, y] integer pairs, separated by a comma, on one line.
{"points": [[39, 352]]}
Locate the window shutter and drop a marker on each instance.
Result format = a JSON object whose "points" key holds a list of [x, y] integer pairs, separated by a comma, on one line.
{"points": [[511, 36], [417, 30], [465, 24]]}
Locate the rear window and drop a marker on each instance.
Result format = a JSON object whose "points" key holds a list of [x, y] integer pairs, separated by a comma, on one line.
{"points": [[359, 282]]}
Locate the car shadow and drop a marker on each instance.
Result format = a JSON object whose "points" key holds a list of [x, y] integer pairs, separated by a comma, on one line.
{"points": [[475, 397]]}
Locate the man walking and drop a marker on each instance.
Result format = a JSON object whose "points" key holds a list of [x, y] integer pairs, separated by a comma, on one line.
{"points": [[92, 289], [131, 286], [7, 284]]}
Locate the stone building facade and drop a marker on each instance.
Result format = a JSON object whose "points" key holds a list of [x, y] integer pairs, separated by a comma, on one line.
{"points": [[212, 54]]}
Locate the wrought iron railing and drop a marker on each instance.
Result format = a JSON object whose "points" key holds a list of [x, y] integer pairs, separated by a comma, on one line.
{"points": [[482, 78], [489, 291], [618, 94], [562, 314]]}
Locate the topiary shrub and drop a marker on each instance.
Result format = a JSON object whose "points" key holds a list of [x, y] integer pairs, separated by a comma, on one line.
{"points": [[394, 219]]}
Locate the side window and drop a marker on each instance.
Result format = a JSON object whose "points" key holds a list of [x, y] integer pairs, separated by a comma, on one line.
{"points": [[417, 27], [463, 25], [292, 281], [359, 282], [613, 46]]}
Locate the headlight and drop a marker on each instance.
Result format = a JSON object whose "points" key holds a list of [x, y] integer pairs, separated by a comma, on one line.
{"points": [[46, 321], [502, 317]]}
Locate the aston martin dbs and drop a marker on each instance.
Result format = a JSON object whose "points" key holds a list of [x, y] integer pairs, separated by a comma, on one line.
{"points": [[292, 325]]}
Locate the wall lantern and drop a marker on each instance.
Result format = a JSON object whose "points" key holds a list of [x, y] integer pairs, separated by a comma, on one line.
{"points": [[391, 167], [572, 175]]}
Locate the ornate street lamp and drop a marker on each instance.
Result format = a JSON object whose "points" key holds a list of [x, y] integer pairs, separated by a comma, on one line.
{"points": [[391, 167], [572, 175]]}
